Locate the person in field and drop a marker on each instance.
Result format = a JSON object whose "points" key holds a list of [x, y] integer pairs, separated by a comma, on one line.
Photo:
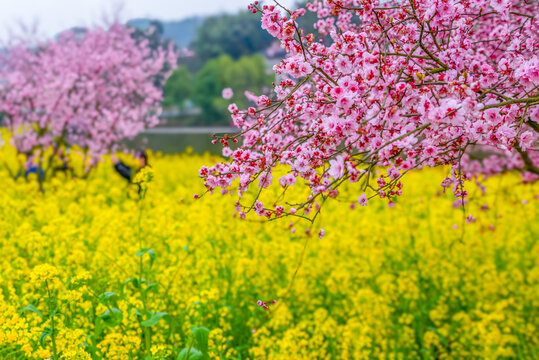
{"points": [[62, 162], [126, 171]]}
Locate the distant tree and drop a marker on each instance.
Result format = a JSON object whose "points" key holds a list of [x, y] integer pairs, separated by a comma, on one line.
{"points": [[233, 35], [158, 26], [178, 88], [91, 90], [248, 73], [153, 34], [209, 82]]}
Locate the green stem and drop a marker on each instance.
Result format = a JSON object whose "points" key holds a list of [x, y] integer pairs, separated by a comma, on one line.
{"points": [[189, 350], [145, 329], [51, 317]]}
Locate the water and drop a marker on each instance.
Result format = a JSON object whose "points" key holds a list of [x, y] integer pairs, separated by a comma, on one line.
{"points": [[177, 139]]}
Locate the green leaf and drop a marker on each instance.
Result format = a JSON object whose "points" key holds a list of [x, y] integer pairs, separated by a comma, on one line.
{"points": [[141, 253], [201, 336], [46, 332], [152, 287], [112, 316], [135, 281], [154, 319], [99, 326], [33, 309], [56, 312], [194, 354], [148, 251], [106, 297]]}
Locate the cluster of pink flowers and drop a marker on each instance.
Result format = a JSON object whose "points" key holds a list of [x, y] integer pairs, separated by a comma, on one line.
{"points": [[399, 84], [264, 305], [92, 90], [499, 161]]}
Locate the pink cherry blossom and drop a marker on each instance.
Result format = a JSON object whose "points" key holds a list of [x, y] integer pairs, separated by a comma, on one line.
{"points": [[362, 200], [336, 169], [227, 93], [401, 85]]}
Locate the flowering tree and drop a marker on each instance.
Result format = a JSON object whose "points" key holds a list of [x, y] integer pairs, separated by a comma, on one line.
{"points": [[91, 90], [400, 84]]}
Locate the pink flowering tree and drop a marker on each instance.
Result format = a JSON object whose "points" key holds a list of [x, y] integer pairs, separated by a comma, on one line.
{"points": [[90, 90], [398, 84]]}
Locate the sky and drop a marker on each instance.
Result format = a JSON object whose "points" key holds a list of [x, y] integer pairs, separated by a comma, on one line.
{"points": [[54, 16]]}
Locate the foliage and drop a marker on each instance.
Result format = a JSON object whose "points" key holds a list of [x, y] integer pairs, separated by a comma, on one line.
{"points": [[178, 88], [411, 84], [397, 283], [248, 72], [90, 90], [153, 35], [233, 35]]}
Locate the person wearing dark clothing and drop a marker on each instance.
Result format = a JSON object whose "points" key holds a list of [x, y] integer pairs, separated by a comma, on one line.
{"points": [[35, 169], [127, 172], [124, 170], [30, 167]]}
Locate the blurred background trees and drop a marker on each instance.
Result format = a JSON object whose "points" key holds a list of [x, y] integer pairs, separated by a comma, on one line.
{"points": [[227, 50], [233, 35], [179, 88], [248, 72]]}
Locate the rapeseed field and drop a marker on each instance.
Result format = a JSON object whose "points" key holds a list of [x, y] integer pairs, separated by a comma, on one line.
{"points": [[91, 271]]}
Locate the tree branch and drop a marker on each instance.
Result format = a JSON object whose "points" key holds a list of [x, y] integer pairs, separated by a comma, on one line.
{"points": [[512, 101], [528, 164]]}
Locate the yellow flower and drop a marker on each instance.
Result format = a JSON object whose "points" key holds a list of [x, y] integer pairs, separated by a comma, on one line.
{"points": [[395, 283], [42, 273]]}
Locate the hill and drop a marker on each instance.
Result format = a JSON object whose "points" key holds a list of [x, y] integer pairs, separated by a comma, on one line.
{"points": [[181, 32]]}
